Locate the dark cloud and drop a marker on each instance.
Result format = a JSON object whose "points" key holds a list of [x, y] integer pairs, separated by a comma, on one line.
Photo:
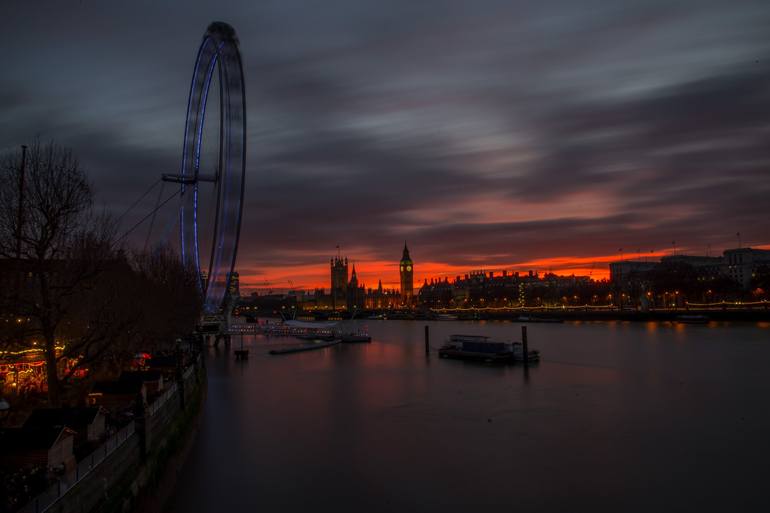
{"points": [[472, 129]]}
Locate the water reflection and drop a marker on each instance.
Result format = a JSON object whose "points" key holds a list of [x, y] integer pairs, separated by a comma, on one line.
{"points": [[613, 411]]}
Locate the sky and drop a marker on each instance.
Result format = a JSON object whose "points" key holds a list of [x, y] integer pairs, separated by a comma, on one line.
{"points": [[486, 134]]}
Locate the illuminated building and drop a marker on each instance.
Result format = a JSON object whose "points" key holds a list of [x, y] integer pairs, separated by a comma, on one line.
{"points": [[234, 285]]}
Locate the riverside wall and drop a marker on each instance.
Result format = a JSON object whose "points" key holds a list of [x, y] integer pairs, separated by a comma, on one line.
{"points": [[129, 465]]}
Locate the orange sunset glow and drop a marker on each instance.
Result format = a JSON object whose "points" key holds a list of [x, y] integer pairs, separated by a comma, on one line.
{"points": [[307, 277]]}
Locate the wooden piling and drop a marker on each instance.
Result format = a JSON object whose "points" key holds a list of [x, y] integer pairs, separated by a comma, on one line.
{"points": [[524, 347], [427, 340]]}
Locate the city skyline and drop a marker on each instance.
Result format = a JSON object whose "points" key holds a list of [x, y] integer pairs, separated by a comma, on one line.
{"points": [[370, 273]]}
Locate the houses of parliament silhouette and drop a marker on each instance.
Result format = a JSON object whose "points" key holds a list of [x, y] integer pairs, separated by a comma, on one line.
{"points": [[350, 294]]}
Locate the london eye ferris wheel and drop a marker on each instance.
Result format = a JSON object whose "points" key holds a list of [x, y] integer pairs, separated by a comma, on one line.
{"points": [[219, 51]]}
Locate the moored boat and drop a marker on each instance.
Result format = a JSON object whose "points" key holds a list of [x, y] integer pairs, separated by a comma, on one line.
{"points": [[481, 348], [351, 338], [533, 355]]}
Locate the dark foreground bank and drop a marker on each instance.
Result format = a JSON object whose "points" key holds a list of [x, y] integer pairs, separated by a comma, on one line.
{"points": [[127, 472]]}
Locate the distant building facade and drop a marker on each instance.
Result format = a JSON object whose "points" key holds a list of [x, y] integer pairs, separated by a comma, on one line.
{"points": [[742, 263], [739, 265], [630, 269], [380, 298], [489, 289]]}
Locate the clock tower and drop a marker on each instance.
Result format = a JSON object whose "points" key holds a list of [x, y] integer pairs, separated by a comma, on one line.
{"points": [[406, 270]]}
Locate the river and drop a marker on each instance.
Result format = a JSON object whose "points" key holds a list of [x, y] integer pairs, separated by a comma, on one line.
{"points": [[617, 416]]}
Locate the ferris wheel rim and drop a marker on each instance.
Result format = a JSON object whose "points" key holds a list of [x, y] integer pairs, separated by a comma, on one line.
{"points": [[219, 49]]}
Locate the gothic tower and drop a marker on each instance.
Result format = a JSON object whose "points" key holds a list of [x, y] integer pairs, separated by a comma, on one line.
{"points": [[339, 275], [406, 269], [356, 292]]}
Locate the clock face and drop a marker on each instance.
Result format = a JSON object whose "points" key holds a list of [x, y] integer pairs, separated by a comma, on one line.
{"points": [[408, 267], [402, 268]]}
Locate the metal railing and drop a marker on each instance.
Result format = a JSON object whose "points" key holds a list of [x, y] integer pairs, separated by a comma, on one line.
{"points": [[48, 498], [188, 372], [56, 491], [160, 401]]}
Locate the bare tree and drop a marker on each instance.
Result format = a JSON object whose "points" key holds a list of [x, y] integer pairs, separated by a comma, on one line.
{"points": [[64, 285], [56, 251], [171, 304]]}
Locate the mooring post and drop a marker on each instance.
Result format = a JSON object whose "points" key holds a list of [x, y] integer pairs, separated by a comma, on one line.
{"points": [[524, 347], [427, 340]]}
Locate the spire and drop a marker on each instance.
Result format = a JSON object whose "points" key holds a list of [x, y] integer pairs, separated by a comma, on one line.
{"points": [[354, 269], [406, 253]]}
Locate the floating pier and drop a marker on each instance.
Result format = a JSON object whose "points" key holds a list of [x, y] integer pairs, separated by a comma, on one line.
{"points": [[306, 347]]}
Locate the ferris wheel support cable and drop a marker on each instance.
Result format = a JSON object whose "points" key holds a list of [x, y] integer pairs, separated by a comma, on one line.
{"points": [[152, 221], [135, 203], [146, 217]]}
